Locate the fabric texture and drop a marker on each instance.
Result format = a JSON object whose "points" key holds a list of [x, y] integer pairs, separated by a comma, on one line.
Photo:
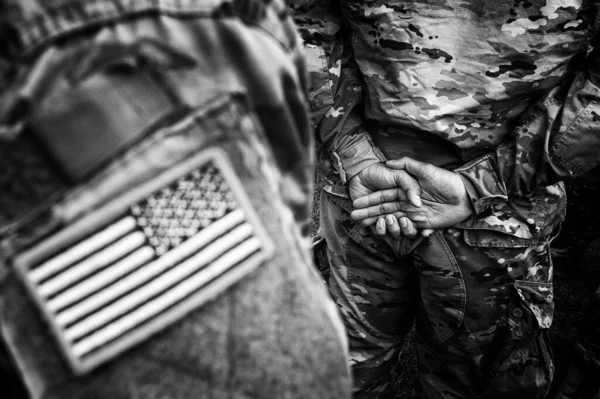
{"points": [[504, 94], [482, 312], [233, 77]]}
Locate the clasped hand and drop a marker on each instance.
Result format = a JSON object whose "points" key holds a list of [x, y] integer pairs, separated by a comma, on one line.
{"points": [[405, 196]]}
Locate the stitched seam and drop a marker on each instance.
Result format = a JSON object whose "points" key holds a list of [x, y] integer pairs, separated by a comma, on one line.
{"points": [[373, 326], [463, 300]]}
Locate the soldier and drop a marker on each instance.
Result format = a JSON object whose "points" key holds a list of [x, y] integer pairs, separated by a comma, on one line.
{"points": [[459, 119], [155, 182]]}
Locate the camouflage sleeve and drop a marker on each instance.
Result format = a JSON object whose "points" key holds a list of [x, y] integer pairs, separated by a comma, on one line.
{"points": [[335, 91], [557, 139]]}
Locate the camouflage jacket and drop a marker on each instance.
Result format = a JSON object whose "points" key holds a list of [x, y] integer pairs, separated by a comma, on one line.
{"points": [[505, 93]]}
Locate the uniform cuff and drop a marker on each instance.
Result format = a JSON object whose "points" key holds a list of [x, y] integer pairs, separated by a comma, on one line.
{"points": [[482, 183], [359, 156]]}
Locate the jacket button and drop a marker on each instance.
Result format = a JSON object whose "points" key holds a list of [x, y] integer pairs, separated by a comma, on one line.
{"points": [[517, 313]]}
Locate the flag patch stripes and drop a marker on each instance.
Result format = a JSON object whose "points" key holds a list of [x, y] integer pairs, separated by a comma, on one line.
{"points": [[174, 247]]}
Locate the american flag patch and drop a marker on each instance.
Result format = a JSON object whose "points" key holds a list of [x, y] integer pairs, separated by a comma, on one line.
{"points": [[145, 260]]}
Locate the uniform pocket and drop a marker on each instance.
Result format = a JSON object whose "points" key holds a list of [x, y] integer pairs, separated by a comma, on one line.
{"points": [[521, 358], [443, 290], [517, 357], [380, 286]]}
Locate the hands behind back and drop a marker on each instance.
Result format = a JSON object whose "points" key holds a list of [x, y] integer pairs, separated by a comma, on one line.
{"points": [[443, 199], [380, 177]]}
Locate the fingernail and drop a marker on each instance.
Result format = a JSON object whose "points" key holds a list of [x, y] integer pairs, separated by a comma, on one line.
{"points": [[389, 219], [403, 222], [380, 223]]}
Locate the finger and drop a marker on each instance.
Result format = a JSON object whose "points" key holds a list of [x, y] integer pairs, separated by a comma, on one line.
{"points": [[410, 185], [376, 210], [392, 226], [408, 229], [380, 197], [380, 228], [426, 232], [372, 220]]}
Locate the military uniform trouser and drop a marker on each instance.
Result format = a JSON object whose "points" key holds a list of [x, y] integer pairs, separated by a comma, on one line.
{"points": [[482, 313], [205, 162]]}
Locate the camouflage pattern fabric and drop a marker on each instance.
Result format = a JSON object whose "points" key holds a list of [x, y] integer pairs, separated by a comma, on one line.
{"points": [[482, 312], [457, 74], [505, 94], [474, 87]]}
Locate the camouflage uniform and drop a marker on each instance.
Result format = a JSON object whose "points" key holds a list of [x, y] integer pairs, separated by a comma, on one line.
{"points": [[504, 93], [173, 85]]}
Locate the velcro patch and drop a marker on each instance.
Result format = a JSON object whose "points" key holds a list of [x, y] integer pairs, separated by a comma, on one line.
{"points": [[137, 265]]}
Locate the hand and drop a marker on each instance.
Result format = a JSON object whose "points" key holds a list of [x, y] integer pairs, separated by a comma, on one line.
{"points": [[445, 201], [377, 177]]}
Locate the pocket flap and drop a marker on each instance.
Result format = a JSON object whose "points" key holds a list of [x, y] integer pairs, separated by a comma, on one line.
{"points": [[539, 299], [495, 239]]}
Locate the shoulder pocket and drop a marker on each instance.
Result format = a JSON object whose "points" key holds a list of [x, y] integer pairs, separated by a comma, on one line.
{"points": [[104, 100]]}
